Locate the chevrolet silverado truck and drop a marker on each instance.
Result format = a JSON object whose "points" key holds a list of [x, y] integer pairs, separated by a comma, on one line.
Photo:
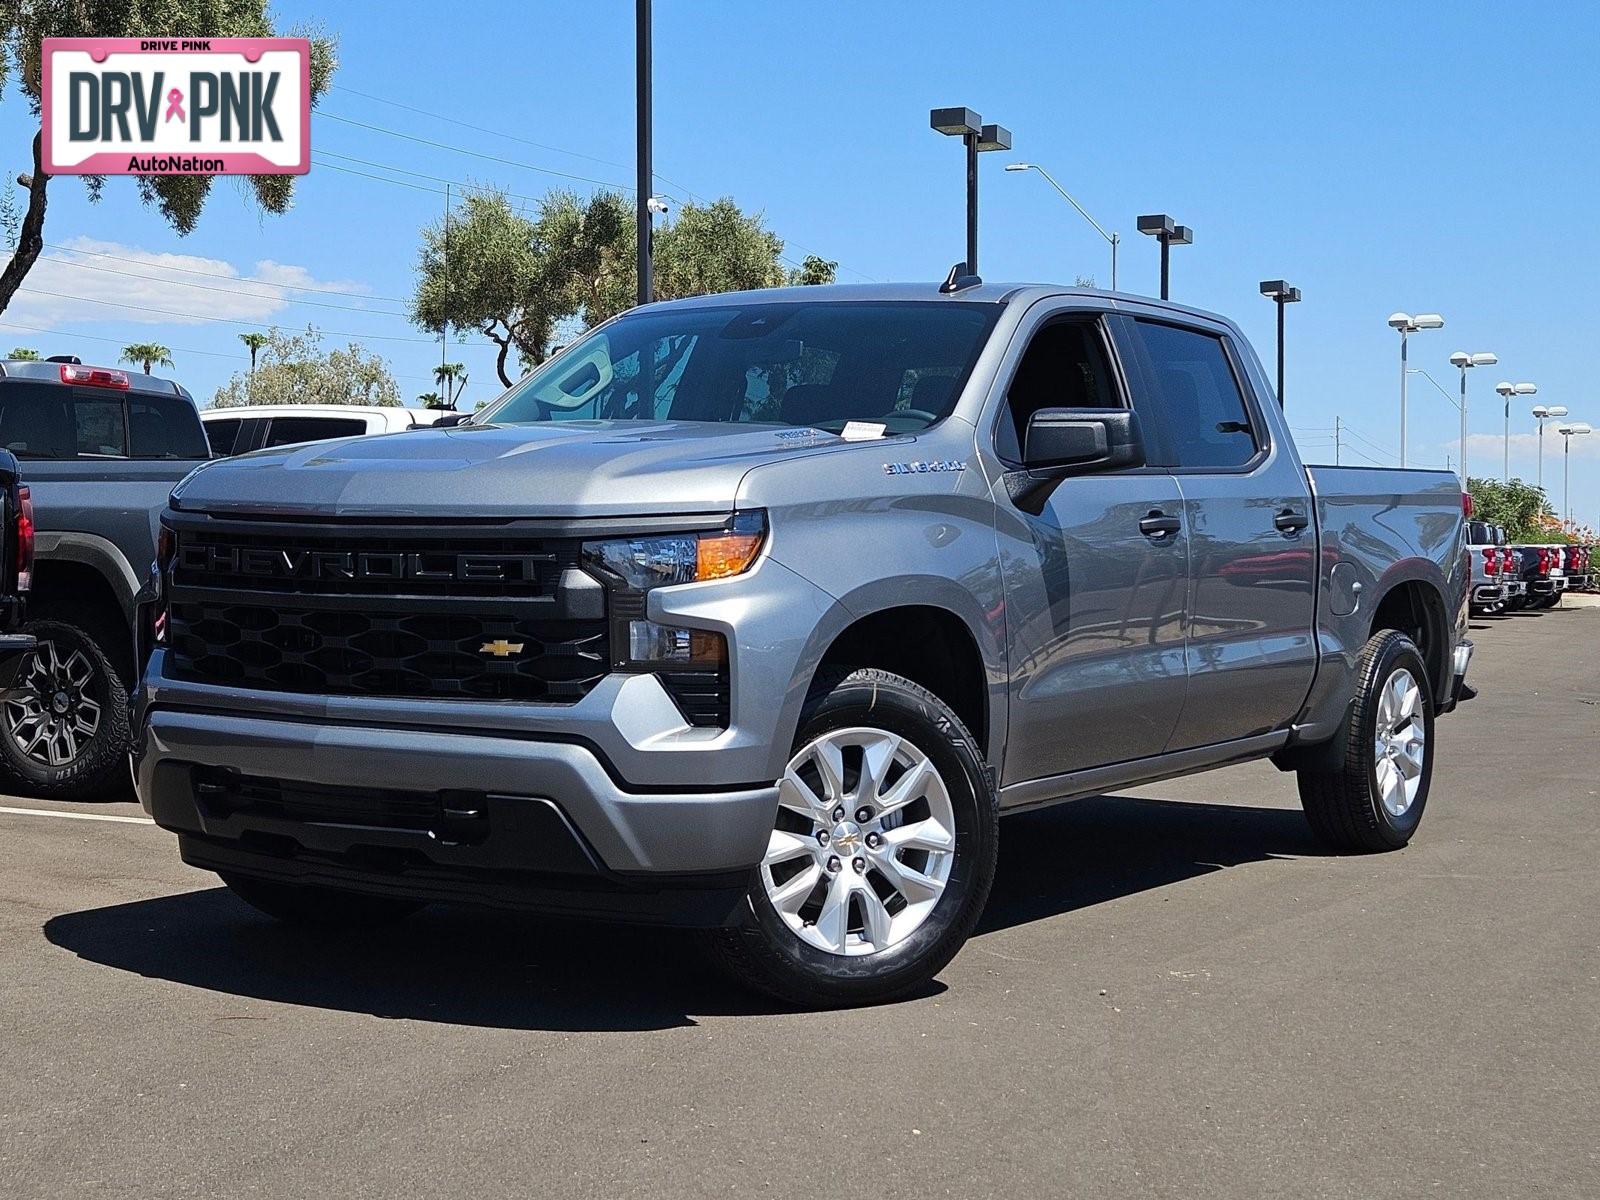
{"points": [[757, 611], [101, 449]]}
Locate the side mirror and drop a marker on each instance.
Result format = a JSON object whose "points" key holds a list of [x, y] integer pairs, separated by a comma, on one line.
{"points": [[1081, 441]]}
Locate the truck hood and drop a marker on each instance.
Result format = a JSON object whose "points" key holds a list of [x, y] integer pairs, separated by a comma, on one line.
{"points": [[566, 469]]}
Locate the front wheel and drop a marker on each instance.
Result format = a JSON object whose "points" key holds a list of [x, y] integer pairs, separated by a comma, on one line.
{"points": [[881, 854], [1374, 801]]}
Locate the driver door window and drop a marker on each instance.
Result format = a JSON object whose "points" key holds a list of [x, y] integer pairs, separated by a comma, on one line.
{"points": [[1065, 366]]}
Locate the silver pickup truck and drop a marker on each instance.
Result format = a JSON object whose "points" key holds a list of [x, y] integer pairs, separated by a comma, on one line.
{"points": [[757, 611]]}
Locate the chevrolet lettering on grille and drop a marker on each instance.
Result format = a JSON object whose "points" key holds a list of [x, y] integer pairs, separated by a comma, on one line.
{"points": [[380, 565]]}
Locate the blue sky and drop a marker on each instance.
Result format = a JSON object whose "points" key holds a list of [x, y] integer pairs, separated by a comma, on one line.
{"points": [[1381, 156]]}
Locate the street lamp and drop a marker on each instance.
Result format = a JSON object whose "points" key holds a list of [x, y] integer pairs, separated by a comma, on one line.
{"points": [[1506, 391], [1406, 325], [1281, 293], [1114, 238], [1466, 362], [1161, 227], [1543, 413], [978, 137], [1568, 432]]}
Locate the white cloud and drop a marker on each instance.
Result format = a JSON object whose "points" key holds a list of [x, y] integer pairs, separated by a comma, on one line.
{"points": [[1525, 446], [158, 289]]}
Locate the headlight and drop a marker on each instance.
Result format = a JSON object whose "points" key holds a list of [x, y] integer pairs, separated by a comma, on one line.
{"points": [[651, 561]]}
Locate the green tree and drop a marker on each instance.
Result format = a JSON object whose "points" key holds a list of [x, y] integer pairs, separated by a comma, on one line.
{"points": [[520, 281], [430, 400], [294, 369], [253, 342], [147, 355], [179, 198], [1521, 507], [23, 354]]}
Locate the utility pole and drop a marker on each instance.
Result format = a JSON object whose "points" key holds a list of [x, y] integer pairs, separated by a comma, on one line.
{"points": [[1336, 441], [444, 333], [646, 170]]}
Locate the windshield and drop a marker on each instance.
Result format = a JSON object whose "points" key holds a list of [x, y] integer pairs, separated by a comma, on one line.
{"points": [[900, 364]]}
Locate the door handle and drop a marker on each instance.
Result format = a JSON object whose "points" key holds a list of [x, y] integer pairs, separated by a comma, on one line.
{"points": [[1289, 521], [1158, 525]]}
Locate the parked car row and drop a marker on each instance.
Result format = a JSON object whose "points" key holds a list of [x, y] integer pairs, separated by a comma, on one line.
{"points": [[100, 449], [1507, 577]]}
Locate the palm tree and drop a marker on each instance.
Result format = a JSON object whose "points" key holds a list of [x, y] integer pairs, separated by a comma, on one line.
{"points": [[452, 378], [254, 341], [147, 354], [430, 400]]}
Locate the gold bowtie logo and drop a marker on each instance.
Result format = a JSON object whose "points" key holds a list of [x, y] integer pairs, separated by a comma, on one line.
{"points": [[501, 648]]}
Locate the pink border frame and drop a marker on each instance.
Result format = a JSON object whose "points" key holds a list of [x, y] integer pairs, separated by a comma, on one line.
{"points": [[113, 162]]}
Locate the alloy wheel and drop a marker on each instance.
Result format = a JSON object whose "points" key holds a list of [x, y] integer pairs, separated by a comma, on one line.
{"points": [[863, 844], [1400, 745], [50, 714]]}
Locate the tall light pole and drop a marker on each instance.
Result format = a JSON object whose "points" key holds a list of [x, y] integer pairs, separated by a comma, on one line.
{"points": [[1114, 238], [1406, 325], [645, 182], [1543, 413], [1169, 234], [1506, 391], [1568, 432], [1466, 362], [978, 138], [1283, 294]]}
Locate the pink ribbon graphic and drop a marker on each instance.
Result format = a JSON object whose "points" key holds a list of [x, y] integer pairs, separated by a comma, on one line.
{"points": [[175, 106]]}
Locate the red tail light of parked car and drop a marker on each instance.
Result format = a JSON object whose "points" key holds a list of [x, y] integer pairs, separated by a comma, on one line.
{"points": [[1491, 561]]}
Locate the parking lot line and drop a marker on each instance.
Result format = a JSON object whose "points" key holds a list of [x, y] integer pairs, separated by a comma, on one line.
{"points": [[75, 816]]}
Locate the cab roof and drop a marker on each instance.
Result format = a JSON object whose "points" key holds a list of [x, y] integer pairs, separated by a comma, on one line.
{"points": [[51, 371]]}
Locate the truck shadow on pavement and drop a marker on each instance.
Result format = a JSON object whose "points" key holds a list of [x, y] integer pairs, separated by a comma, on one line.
{"points": [[464, 967]]}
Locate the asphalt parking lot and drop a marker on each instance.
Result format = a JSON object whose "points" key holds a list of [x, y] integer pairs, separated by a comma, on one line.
{"points": [[1174, 993]]}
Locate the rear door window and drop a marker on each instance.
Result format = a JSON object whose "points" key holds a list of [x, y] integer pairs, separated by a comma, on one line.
{"points": [[1192, 398], [287, 431]]}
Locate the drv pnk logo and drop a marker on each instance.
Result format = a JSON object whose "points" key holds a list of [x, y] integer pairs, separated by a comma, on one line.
{"points": [[169, 106]]}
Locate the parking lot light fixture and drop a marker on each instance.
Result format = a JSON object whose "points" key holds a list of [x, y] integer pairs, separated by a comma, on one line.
{"points": [[1114, 238], [1280, 293], [1543, 413], [1169, 233], [1466, 362], [1507, 390], [1568, 432], [1405, 324], [977, 138]]}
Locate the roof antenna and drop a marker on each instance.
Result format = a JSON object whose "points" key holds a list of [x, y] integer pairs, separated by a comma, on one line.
{"points": [[959, 280]]}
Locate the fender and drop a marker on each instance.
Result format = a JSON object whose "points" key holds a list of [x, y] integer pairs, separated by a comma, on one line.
{"points": [[92, 550]]}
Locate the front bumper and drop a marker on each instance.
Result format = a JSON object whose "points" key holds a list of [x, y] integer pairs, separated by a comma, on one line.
{"points": [[445, 816]]}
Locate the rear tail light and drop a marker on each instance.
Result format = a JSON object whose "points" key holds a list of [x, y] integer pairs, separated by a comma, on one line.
{"points": [[1508, 560], [1544, 560], [1466, 504], [1491, 561], [106, 377], [24, 532]]}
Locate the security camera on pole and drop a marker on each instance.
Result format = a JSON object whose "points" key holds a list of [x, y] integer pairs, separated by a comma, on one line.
{"points": [[1405, 324]]}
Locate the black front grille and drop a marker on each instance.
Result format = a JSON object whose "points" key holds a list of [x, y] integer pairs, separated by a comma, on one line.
{"points": [[445, 614]]}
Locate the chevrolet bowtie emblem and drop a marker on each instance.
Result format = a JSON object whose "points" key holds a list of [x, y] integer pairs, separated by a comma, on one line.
{"points": [[500, 648]]}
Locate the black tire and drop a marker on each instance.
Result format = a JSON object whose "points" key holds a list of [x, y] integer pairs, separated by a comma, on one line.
{"points": [[1344, 805], [322, 907], [1546, 601], [1516, 603], [766, 954], [69, 681]]}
